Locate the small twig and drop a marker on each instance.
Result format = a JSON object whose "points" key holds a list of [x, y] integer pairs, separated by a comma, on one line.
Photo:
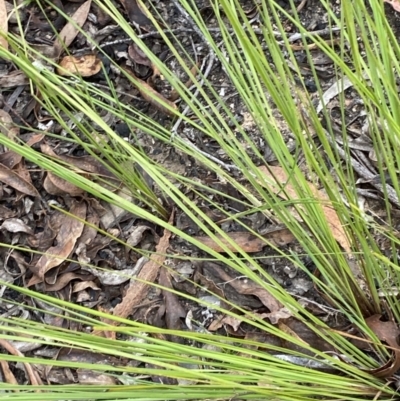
{"points": [[228, 167], [207, 71], [301, 5], [189, 19], [321, 32]]}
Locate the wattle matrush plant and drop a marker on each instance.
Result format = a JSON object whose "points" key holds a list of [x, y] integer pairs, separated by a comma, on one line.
{"points": [[317, 152]]}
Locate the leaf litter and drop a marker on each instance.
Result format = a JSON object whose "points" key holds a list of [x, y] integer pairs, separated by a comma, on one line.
{"points": [[103, 269]]}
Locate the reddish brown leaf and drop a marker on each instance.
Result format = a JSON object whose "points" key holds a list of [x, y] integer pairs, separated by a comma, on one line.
{"points": [[64, 279], [32, 375], [8, 374]]}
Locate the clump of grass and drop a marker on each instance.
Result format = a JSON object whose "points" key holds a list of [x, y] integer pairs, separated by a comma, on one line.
{"points": [[258, 67]]}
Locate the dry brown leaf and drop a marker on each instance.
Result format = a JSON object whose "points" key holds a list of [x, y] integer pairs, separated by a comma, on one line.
{"points": [[70, 231], [155, 99], [58, 186], [85, 163], [64, 279], [85, 66], [388, 333], [249, 288], [15, 181], [137, 290], [289, 193], [247, 242], [174, 311], [138, 55], [149, 272], [14, 78], [3, 24], [71, 29], [234, 322], [10, 159]]}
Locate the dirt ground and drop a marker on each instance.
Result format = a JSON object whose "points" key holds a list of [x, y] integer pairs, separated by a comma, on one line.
{"points": [[29, 222]]}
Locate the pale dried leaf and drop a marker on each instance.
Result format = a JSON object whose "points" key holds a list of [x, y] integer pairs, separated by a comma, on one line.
{"points": [[16, 226], [279, 179], [3, 24], [394, 3], [71, 29]]}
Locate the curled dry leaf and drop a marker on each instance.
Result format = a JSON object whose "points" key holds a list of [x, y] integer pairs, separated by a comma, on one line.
{"points": [[137, 289], [249, 288], [64, 279], [58, 186], [85, 66], [15, 181], [387, 332], [70, 231], [138, 56], [85, 163], [279, 179]]}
